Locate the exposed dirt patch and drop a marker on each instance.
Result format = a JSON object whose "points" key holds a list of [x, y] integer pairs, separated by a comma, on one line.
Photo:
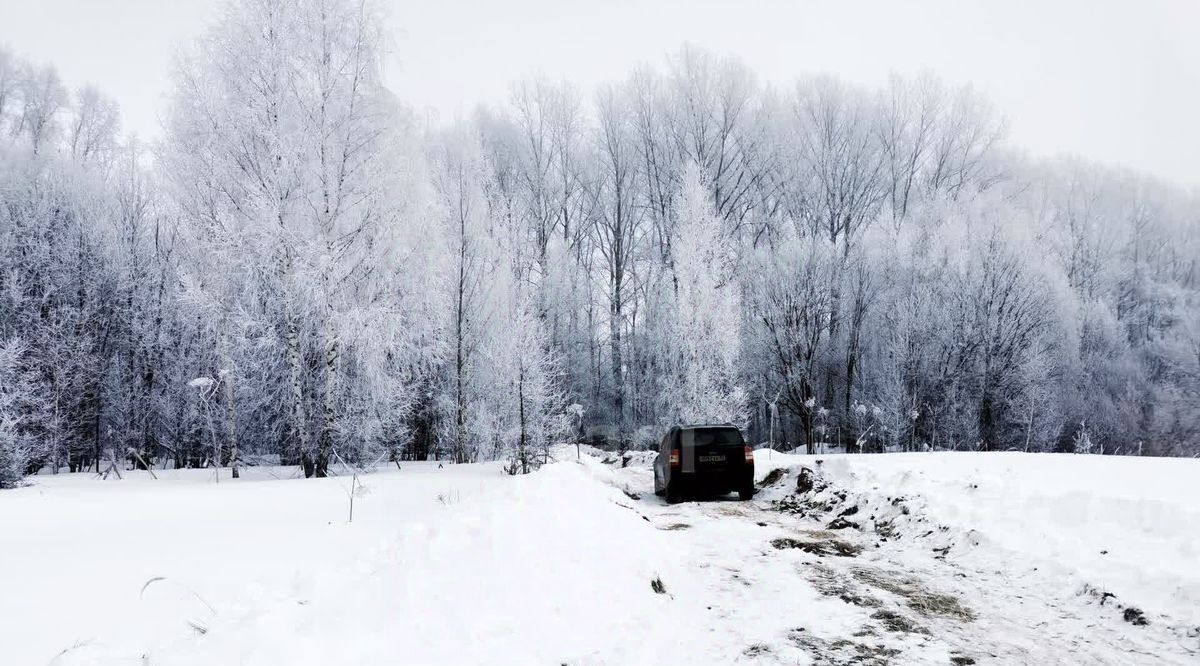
{"points": [[832, 584], [840, 523], [737, 576], [773, 477], [674, 527], [811, 504], [860, 600], [893, 621], [757, 650], [806, 480], [1130, 614], [818, 497], [817, 546], [657, 586], [886, 529], [921, 600], [843, 652]]}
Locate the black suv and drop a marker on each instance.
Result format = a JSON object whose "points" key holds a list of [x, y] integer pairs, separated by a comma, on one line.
{"points": [[703, 459]]}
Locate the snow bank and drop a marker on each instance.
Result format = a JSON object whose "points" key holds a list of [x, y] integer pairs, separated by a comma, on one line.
{"points": [[1127, 526], [454, 565], [465, 564]]}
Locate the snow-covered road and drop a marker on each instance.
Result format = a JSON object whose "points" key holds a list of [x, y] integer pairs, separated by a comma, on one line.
{"points": [[933, 559], [854, 596]]}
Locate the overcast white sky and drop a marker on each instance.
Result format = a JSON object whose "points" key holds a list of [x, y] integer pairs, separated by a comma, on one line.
{"points": [[1114, 81]]}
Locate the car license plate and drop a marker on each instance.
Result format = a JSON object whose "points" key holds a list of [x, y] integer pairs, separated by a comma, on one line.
{"points": [[712, 458]]}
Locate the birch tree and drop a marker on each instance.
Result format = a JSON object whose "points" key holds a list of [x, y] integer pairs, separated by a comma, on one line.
{"points": [[706, 322], [458, 176], [279, 169], [618, 223]]}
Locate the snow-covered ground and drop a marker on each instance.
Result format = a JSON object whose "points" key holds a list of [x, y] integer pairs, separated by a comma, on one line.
{"points": [[938, 558]]}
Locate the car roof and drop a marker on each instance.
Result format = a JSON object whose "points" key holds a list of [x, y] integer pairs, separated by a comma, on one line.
{"points": [[698, 426]]}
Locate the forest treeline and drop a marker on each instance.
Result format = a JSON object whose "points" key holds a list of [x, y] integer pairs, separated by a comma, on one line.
{"points": [[303, 266]]}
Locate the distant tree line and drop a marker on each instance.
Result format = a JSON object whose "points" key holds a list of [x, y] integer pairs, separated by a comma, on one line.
{"points": [[876, 269]]}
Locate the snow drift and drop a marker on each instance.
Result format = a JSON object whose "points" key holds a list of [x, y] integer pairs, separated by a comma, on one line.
{"points": [[578, 563]]}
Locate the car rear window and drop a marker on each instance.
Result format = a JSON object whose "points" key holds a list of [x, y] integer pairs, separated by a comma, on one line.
{"points": [[710, 437]]}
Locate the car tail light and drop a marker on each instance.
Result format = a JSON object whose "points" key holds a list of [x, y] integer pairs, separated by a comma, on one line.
{"points": [[673, 461], [749, 454]]}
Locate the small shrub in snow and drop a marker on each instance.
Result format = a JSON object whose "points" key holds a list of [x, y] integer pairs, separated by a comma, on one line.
{"points": [[1136, 617]]}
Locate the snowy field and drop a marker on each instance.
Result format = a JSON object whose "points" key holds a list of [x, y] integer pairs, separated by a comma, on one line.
{"points": [[902, 558]]}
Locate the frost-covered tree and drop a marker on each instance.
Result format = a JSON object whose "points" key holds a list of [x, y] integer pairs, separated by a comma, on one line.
{"points": [[790, 308], [93, 131], [619, 231], [525, 376], [832, 265], [459, 178], [22, 442], [706, 332], [279, 136], [43, 98]]}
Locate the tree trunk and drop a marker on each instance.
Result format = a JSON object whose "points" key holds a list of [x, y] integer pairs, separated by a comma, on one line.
{"points": [[295, 367], [614, 327], [835, 301], [460, 407], [522, 443], [1029, 428], [986, 422], [230, 414], [325, 441], [460, 361]]}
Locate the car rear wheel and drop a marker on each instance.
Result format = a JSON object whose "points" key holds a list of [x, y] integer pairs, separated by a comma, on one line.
{"points": [[746, 492], [673, 494]]}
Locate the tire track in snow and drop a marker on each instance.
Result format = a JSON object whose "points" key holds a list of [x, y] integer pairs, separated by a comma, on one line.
{"points": [[912, 606]]}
